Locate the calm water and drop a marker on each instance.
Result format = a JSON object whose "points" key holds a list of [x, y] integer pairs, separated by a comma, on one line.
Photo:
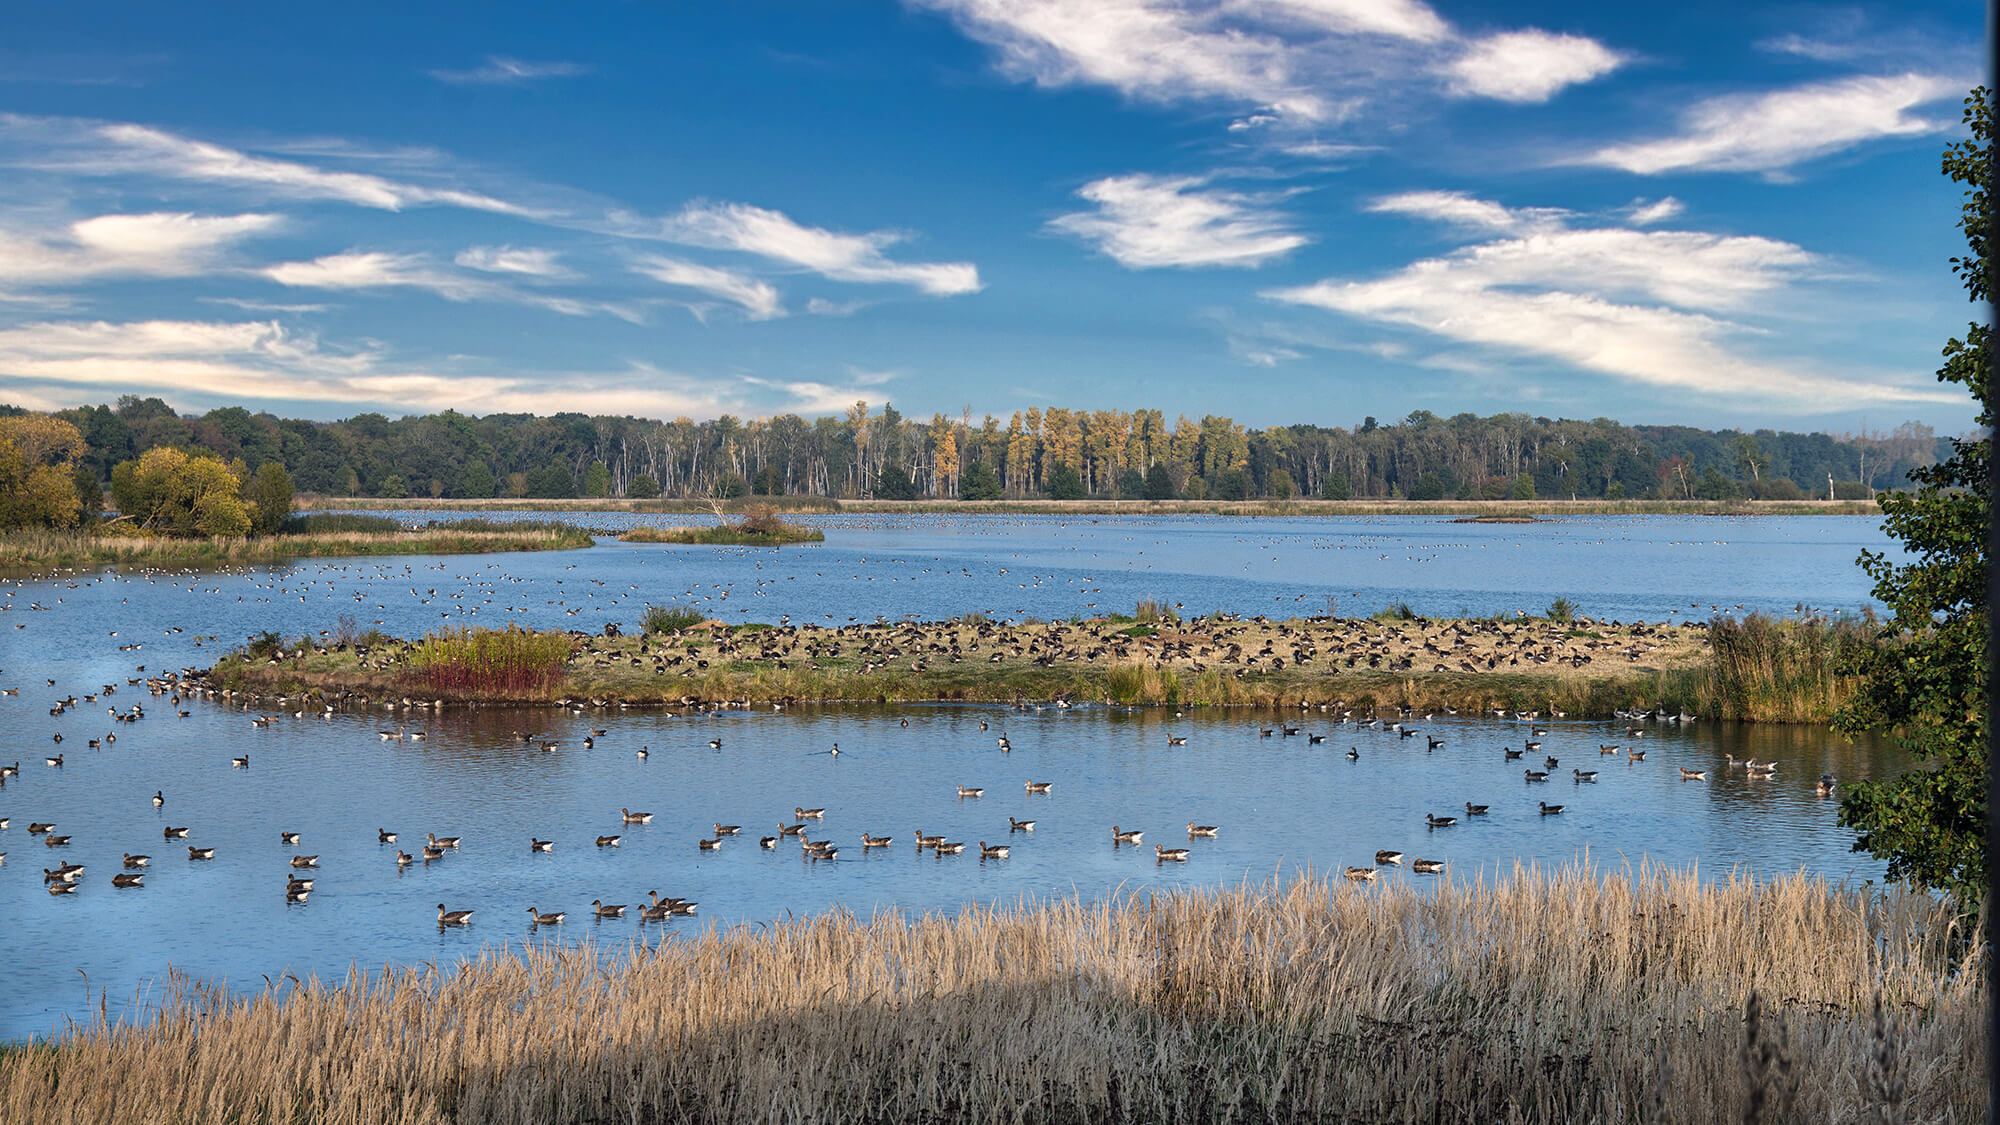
{"points": [[1282, 805]]}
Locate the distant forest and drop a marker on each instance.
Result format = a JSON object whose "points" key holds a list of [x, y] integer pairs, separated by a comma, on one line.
{"points": [[1058, 453]]}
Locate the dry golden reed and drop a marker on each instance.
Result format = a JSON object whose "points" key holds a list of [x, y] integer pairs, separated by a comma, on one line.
{"points": [[1546, 998]]}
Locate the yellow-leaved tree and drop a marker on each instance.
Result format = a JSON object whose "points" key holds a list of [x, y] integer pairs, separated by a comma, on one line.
{"points": [[175, 492], [37, 471]]}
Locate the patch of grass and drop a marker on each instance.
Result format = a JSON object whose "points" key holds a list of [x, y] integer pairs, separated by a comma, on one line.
{"points": [[329, 523], [1396, 611], [39, 552], [1562, 611]]}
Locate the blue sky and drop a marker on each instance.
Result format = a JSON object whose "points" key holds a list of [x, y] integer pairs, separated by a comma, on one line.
{"points": [[1279, 210]]}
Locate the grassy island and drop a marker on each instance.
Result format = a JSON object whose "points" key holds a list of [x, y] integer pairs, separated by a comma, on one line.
{"points": [[43, 551], [1649, 996], [759, 529], [1756, 669]]}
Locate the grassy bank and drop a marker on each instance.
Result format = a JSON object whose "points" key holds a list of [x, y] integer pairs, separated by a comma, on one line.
{"points": [[1760, 669], [39, 552], [1647, 997], [796, 504]]}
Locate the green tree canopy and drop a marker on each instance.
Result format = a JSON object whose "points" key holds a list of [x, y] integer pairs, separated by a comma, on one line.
{"points": [[979, 482], [269, 491], [1929, 684]]}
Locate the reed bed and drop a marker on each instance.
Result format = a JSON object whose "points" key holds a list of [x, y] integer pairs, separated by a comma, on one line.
{"points": [[1646, 997], [478, 660], [754, 531], [41, 551]]}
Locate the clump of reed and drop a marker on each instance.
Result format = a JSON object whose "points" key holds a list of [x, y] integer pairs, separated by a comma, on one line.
{"points": [[43, 550], [670, 618], [1773, 669], [1648, 996], [468, 660]]}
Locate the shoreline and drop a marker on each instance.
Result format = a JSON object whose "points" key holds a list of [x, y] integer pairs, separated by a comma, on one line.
{"points": [[1363, 665], [798, 505]]}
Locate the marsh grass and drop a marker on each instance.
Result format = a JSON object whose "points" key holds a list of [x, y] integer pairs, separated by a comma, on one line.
{"points": [[670, 618], [479, 661], [1545, 998], [40, 551]]}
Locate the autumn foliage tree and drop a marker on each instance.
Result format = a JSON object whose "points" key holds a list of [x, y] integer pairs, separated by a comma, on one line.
{"points": [[38, 472], [173, 492]]}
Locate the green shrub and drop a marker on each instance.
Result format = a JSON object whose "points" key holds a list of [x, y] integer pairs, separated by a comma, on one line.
{"points": [[669, 619]]}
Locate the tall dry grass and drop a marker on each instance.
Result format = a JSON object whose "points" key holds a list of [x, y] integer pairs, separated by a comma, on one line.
{"points": [[1544, 999], [513, 660]]}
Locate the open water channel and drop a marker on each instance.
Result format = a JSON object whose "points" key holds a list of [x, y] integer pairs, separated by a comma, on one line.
{"points": [[1282, 806]]}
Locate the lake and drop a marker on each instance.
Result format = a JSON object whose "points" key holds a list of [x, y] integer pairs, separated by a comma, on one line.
{"points": [[1281, 804]]}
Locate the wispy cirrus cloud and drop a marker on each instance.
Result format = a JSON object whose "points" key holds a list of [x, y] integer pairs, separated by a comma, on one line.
{"points": [[153, 244], [363, 270], [759, 300], [499, 70], [1773, 131], [524, 261], [98, 148], [1664, 308], [52, 364], [1144, 221], [778, 237], [1300, 61]]}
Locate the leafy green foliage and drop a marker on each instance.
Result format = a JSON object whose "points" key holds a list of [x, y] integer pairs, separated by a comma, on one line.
{"points": [[1159, 482], [1065, 483], [1929, 685], [979, 482], [642, 487], [270, 492]]}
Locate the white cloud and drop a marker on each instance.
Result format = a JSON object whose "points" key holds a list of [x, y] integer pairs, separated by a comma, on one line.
{"points": [[501, 71], [1643, 214], [775, 235], [1296, 61], [1635, 305], [820, 306], [758, 299], [1529, 66], [1772, 131], [358, 270], [510, 259], [262, 306], [1148, 222], [156, 244], [58, 362], [109, 149], [1462, 210]]}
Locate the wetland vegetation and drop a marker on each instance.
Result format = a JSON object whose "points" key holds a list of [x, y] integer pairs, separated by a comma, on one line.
{"points": [[1649, 995]]}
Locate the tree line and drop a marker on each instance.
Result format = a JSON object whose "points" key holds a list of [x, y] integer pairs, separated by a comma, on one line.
{"points": [[1055, 452]]}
